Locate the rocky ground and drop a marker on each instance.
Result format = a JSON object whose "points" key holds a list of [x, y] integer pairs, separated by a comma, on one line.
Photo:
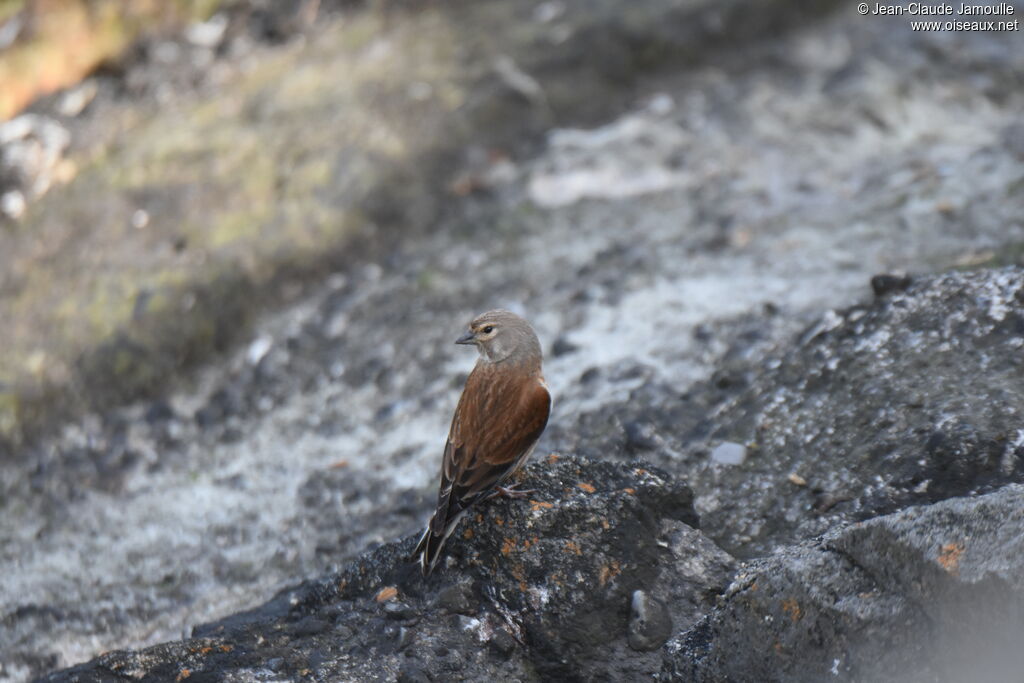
{"points": [[699, 267]]}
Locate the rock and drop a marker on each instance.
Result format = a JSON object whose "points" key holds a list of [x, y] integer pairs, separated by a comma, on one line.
{"points": [[232, 506], [931, 593], [650, 624], [457, 598], [729, 453], [885, 284], [577, 582], [31, 151], [639, 436], [563, 346], [871, 407]]}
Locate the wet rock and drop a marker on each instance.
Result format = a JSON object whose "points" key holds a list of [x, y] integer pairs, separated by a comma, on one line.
{"points": [[560, 574], [932, 593]]}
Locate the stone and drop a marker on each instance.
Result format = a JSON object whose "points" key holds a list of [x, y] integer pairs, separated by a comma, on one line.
{"points": [[910, 399], [457, 598], [650, 623], [729, 453], [886, 284], [558, 573], [928, 593]]}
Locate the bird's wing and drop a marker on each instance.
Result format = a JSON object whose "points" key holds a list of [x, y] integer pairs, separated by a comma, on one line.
{"points": [[496, 423]]}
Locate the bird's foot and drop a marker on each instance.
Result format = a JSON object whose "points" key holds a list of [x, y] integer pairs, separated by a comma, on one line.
{"points": [[511, 492]]}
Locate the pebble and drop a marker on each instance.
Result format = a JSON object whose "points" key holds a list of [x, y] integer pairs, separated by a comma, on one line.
{"points": [[729, 453], [457, 599], [650, 624], [887, 283], [563, 346], [640, 437], [258, 349]]}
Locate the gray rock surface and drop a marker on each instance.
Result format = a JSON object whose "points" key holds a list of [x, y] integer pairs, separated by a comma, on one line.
{"points": [[534, 589], [915, 397], [931, 593], [755, 186]]}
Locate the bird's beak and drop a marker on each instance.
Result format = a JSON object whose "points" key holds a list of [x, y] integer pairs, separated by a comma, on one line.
{"points": [[467, 338]]}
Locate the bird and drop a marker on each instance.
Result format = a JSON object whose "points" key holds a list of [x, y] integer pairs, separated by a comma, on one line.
{"points": [[499, 418]]}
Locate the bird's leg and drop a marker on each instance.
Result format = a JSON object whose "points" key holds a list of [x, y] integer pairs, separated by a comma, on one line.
{"points": [[511, 491]]}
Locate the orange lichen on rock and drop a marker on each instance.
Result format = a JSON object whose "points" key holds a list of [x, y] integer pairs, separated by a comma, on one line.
{"points": [[608, 571], [949, 557], [792, 608], [508, 546], [573, 547], [519, 573], [467, 534], [183, 674], [630, 490], [536, 505], [586, 487], [553, 458], [385, 594]]}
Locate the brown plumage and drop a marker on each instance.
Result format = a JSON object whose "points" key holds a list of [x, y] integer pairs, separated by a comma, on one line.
{"points": [[503, 410]]}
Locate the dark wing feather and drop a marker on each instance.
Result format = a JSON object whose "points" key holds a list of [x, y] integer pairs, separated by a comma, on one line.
{"points": [[492, 432]]}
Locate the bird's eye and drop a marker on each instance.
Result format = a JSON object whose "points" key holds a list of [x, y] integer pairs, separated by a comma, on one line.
{"points": [[489, 329]]}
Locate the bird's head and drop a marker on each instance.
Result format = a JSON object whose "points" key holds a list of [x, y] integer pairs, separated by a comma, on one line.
{"points": [[502, 335]]}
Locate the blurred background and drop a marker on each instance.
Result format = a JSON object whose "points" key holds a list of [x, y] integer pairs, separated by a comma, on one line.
{"points": [[237, 240]]}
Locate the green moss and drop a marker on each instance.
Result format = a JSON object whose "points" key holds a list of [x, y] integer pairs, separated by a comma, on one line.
{"points": [[1007, 255], [267, 179], [8, 8], [9, 413]]}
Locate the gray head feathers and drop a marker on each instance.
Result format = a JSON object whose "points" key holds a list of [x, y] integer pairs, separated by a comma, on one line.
{"points": [[502, 336]]}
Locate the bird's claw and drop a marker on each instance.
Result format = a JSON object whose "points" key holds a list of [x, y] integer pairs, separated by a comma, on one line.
{"points": [[511, 492]]}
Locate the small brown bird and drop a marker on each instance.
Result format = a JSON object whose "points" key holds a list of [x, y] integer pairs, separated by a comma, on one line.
{"points": [[503, 410]]}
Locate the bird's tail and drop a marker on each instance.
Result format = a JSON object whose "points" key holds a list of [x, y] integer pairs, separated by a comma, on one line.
{"points": [[432, 542], [429, 550]]}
